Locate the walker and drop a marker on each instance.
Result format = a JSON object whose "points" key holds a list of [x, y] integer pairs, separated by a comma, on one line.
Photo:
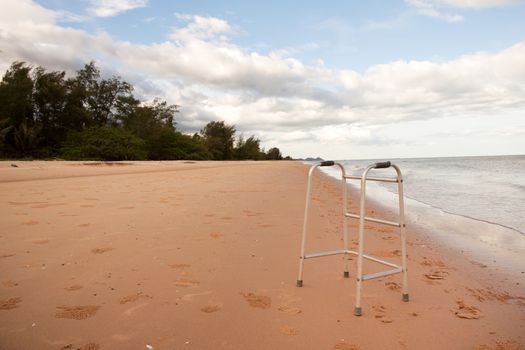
{"points": [[362, 218]]}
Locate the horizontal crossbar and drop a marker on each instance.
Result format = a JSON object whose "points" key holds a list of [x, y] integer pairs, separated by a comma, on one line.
{"points": [[382, 274], [342, 251], [380, 179], [373, 258], [379, 221], [334, 252]]}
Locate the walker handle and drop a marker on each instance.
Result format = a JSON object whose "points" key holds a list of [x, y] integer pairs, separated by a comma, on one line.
{"points": [[327, 163], [382, 165]]}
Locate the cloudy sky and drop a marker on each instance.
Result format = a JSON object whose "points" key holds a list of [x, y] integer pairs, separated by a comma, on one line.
{"points": [[336, 79]]}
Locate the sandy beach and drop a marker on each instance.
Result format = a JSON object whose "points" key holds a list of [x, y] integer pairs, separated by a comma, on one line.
{"points": [[204, 255]]}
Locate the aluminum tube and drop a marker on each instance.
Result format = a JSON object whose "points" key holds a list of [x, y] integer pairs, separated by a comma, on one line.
{"points": [[346, 273], [305, 223], [402, 232], [381, 274], [373, 258], [379, 221], [321, 254], [361, 240], [380, 179]]}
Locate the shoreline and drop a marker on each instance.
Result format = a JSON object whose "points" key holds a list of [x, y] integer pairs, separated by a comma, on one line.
{"points": [[205, 255]]}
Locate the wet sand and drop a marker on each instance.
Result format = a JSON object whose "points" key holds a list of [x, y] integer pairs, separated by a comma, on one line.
{"points": [[185, 255]]}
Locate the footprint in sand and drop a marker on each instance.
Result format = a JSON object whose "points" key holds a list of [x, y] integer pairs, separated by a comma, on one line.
{"points": [[186, 283], [30, 223], [40, 241], [345, 346], [101, 250], [73, 287], [434, 262], [387, 253], [9, 284], [9, 304], [208, 309], [437, 275], [265, 225], [47, 205], [133, 297], [289, 310], [393, 285], [501, 345], [466, 311], [287, 330], [26, 203], [179, 266], [77, 312], [257, 301], [89, 346], [381, 314], [491, 295]]}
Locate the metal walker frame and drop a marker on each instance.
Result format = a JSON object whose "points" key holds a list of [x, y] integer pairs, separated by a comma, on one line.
{"points": [[362, 218]]}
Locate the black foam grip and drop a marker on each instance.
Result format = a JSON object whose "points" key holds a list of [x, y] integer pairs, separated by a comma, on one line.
{"points": [[327, 163], [382, 165]]}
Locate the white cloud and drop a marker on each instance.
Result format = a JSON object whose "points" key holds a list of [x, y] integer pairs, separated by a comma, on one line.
{"points": [[431, 8], [200, 27], [439, 8], [108, 8], [478, 4]]}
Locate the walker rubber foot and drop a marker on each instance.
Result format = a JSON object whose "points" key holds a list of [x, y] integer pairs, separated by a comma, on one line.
{"points": [[299, 283], [346, 274], [358, 311], [405, 297]]}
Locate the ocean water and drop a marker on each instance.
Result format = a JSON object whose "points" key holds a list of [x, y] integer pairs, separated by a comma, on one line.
{"points": [[460, 199]]}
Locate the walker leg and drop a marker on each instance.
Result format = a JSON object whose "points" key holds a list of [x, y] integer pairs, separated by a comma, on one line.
{"points": [[358, 311], [403, 238], [346, 256], [305, 223], [300, 277]]}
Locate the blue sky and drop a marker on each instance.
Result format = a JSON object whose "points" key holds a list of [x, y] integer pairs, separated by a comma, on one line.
{"points": [[367, 79]]}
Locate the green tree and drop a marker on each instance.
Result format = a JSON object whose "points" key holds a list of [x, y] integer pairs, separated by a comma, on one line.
{"points": [[274, 154], [95, 101], [5, 128], [218, 138], [249, 148], [49, 98], [146, 120], [16, 109], [26, 139], [16, 95]]}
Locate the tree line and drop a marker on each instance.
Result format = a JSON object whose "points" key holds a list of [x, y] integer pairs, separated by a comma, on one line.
{"points": [[44, 114]]}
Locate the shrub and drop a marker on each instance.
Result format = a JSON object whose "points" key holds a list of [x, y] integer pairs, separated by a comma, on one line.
{"points": [[103, 143]]}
